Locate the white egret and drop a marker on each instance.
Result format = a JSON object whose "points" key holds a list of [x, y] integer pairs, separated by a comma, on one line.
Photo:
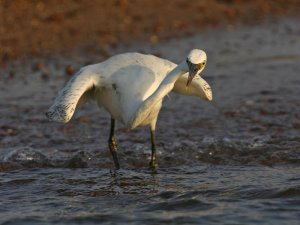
{"points": [[131, 87]]}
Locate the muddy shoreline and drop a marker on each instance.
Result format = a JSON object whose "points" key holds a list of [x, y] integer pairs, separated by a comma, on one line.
{"points": [[33, 28]]}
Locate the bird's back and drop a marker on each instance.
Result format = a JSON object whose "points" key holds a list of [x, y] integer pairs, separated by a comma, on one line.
{"points": [[126, 80]]}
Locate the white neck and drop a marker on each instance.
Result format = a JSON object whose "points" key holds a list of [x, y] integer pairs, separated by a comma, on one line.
{"points": [[164, 88], [168, 83]]}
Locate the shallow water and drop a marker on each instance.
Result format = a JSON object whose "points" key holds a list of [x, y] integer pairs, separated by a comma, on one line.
{"points": [[201, 194], [233, 161]]}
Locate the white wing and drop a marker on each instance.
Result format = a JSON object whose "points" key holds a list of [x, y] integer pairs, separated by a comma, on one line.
{"points": [[198, 87], [75, 91], [119, 84]]}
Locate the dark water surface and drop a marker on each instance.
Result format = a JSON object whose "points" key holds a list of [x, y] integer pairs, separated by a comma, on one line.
{"points": [[235, 160], [201, 194]]}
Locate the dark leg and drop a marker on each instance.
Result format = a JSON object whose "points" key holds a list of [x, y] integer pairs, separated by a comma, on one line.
{"points": [[153, 162], [112, 144]]}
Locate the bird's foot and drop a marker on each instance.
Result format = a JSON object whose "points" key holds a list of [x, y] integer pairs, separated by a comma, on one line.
{"points": [[116, 160], [117, 165]]}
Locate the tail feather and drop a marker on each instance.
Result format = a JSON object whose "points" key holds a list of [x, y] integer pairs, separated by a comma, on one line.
{"points": [[67, 99]]}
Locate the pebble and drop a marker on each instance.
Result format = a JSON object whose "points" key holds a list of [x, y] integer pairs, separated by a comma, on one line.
{"points": [[70, 70]]}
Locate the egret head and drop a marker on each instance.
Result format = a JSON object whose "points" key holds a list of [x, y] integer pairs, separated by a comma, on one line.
{"points": [[196, 61]]}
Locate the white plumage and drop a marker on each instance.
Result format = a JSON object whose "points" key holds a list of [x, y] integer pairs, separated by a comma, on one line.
{"points": [[131, 87]]}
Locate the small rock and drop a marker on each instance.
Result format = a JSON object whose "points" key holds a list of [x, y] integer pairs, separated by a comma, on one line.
{"points": [[153, 39], [38, 66], [11, 75], [70, 70], [45, 76]]}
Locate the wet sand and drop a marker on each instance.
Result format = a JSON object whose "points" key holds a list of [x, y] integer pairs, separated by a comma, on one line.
{"points": [[234, 160]]}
